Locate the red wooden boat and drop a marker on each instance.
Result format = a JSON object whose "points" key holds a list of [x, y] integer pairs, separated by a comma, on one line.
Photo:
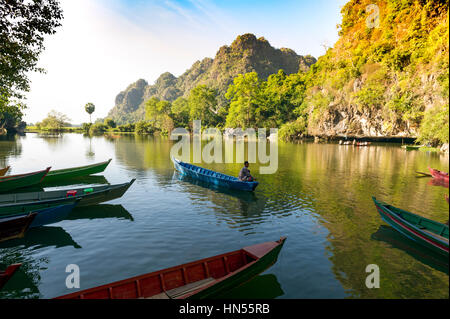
{"points": [[200, 279], [439, 174], [8, 273]]}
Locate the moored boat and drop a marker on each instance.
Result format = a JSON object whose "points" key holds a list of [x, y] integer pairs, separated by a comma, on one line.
{"points": [[430, 234], [11, 182], [412, 147], [200, 279], [15, 227], [3, 171], [67, 173], [8, 273], [18, 203], [212, 177], [439, 174], [49, 215]]}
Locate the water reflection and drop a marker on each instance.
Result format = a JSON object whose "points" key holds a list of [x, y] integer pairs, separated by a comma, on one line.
{"points": [[99, 212], [10, 148], [239, 210], [395, 239], [41, 237], [261, 287]]}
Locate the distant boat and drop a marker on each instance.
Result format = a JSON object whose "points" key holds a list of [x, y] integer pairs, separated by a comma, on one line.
{"points": [[205, 278], [412, 147], [15, 226], [430, 234], [3, 171], [212, 177], [439, 175], [67, 173], [8, 273], [10, 182], [362, 143], [26, 202]]}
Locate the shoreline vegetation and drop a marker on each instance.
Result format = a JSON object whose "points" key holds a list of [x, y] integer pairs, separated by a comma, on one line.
{"points": [[389, 82]]}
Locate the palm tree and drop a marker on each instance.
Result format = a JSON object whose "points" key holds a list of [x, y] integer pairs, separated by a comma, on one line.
{"points": [[90, 108]]}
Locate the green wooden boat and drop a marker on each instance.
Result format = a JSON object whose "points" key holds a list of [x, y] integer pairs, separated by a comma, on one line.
{"points": [[412, 147], [20, 203], [428, 233], [10, 182], [67, 173]]}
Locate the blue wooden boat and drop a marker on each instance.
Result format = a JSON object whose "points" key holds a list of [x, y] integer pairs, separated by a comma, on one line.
{"points": [[212, 177], [48, 215]]}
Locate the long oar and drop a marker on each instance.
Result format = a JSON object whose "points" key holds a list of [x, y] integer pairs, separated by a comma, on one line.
{"points": [[424, 174]]}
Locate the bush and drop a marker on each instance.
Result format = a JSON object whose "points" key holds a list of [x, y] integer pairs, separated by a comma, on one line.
{"points": [[143, 127], [126, 128], [291, 130], [98, 128]]}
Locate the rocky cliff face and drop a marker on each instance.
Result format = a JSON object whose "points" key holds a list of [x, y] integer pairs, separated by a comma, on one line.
{"points": [[245, 54], [386, 78]]}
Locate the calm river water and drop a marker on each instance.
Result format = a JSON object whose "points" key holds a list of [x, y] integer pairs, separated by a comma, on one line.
{"points": [[320, 198]]}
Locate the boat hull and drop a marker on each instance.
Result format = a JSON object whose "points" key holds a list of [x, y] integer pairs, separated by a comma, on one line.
{"points": [[205, 278], [7, 274], [20, 203], [439, 175], [68, 173], [211, 177], [15, 227], [239, 278], [11, 182], [49, 215], [414, 231]]}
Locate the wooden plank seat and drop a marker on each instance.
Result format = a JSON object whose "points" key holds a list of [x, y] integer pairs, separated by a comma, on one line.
{"points": [[177, 292]]}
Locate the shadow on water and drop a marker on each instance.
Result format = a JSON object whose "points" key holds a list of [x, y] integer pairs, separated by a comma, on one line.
{"points": [[242, 195], [25, 282], [41, 237], [100, 211], [261, 287], [395, 239]]}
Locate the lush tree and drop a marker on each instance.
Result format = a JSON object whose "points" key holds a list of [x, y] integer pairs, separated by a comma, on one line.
{"points": [[282, 97], [55, 121], [23, 25], [10, 113], [143, 127], [109, 122], [246, 99], [97, 128], [180, 112], [90, 108], [202, 103]]}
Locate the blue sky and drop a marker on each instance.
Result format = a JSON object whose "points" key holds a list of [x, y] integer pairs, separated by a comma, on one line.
{"points": [[104, 45]]}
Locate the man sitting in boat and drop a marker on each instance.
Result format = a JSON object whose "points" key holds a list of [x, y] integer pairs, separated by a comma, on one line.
{"points": [[244, 174]]}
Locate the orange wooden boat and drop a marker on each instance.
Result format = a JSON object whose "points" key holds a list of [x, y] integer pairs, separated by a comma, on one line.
{"points": [[8, 273], [3, 171], [200, 279]]}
